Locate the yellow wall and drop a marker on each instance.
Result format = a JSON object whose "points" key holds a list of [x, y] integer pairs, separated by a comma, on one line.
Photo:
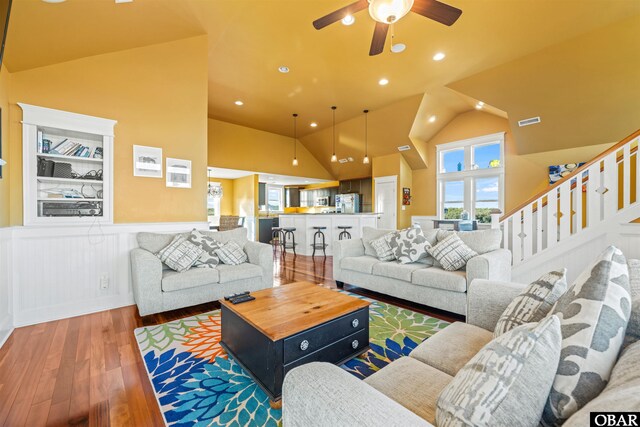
{"points": [[245, 197], [239, 147], [6, 152], [158, 95], [525, 175], [227, 200]]}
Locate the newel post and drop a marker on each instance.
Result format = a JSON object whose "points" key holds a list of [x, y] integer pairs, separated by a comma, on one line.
{"points": [[495, 218]]}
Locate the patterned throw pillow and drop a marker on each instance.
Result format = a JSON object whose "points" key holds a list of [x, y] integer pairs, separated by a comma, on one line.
{"points": [[208, 259], [408, 245], [452, 253], [534, 302], [507, 382], [231, 253], [594, 313], [633, 328], [383, 250], [180, 254]]}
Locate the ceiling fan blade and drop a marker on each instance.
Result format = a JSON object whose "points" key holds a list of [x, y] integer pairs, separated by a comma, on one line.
{"points": [[379, 37], [440, 12], [340, 13]]}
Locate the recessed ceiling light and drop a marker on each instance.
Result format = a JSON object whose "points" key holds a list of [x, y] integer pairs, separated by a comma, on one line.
{"points": [[439, 56], [398, 47], [239, 103], [348, 20], [53, 1], [283, 69], [313, 124], [432, 119], [383, 82], [124, 1], [479, 105]]}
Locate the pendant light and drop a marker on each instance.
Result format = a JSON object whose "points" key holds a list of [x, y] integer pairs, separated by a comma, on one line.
{"points": [[366, 143], [295, 137], [334, 158]]}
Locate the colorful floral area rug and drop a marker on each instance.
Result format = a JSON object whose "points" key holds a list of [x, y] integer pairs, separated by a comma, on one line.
{"points": [[197, 384]]}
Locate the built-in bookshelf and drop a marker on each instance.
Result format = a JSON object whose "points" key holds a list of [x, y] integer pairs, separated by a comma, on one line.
{"points": [[67, 167]]}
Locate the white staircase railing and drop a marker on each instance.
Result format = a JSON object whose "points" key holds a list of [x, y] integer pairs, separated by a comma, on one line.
{"points": [[595, 193]]}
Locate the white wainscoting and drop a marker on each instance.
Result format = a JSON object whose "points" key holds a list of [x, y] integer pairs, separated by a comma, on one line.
{"points": [[56, 271], [578, 252], [6, 297]]}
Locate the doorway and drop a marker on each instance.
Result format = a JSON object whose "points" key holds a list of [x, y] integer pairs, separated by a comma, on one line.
{"points": [[386, 201]]}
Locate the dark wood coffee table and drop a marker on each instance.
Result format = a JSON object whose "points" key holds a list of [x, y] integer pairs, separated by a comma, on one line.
{"points": [[291, 325]]}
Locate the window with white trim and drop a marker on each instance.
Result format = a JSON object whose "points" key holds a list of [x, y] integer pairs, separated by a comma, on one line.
{"points": [[275, 198], [471, 177]]}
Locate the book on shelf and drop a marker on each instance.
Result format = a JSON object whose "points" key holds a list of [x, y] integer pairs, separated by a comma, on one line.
{"points": [[98, 153], [55, 148], [46, 146], [40, 141]]}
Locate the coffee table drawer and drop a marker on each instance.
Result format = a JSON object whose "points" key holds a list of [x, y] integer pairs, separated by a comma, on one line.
{"points": [[308, 341], [338, 352]]}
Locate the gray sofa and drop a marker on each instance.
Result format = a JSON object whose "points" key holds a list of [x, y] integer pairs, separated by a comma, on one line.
{"points": [[405, 392], [424, 282], [157, 288]]}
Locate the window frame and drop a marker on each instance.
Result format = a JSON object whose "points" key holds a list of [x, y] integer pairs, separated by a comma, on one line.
{"points": [[469, 175], [281, 206]]}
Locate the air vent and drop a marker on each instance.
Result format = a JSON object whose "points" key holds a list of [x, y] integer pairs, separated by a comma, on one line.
{"points": [[343, 160], [527, 122], [404, 148]]}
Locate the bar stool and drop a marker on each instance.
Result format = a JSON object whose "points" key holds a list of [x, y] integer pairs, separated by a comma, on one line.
{"points": [[344, 234], [287, 233], [276, 237], [319, 234]]}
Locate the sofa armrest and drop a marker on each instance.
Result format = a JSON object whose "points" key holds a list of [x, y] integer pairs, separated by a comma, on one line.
{"points": [[342, 249], [146, 279], [487, 299], [322, 394], [261, 254], [494, 265]]}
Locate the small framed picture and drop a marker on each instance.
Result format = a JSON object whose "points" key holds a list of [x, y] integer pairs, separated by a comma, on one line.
{"points": [[178, 173], [147, 161]]}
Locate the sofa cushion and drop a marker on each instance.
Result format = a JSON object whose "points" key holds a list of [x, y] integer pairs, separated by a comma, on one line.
{"points": [[369, 234], [395, 270], [534, 302], [408, 245], [594, 313], [452, 253], [633, 328], [209, 258], [382, 248], [436, 277], [231, 253], [412, 384], [481, 241], [362, 264], [510, 377], [622, 393], [231, 273], [174, 281], [237, 234], [154, 242], [180, 254], [451, 348]]}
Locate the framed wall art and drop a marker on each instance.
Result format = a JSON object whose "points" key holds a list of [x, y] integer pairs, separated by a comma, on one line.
{"points": [[178, 173], [147, 161]]}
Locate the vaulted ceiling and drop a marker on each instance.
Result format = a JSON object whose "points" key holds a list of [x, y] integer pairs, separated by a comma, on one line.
{"points": [[250, 39]]}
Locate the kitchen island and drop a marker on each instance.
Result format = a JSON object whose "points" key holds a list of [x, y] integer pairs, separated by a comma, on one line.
{"points": [[304, 224]]}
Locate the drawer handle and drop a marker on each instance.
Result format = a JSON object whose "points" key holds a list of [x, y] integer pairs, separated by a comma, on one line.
{"points": [[355, 344], [304, 345], [355, 323]]}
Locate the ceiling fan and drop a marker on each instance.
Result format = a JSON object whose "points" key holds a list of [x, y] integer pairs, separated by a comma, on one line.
{"points": [[386, 12]]}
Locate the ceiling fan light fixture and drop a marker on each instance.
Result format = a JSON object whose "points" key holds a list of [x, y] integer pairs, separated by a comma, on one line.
{"points": [[398, 47], [389, 11], [348, 20]]}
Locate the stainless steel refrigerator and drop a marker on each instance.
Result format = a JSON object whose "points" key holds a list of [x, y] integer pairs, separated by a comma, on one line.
{"points": [[348, 203]]}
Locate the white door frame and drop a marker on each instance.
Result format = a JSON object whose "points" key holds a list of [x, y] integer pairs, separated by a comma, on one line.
{"points": [[385, 180]]}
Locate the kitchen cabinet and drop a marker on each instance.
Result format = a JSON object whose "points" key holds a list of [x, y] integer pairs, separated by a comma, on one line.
{"points": [[262, 189], [292, 197]]}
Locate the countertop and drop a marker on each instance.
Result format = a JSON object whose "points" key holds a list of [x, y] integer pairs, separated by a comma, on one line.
{"points": [[329, 214]]}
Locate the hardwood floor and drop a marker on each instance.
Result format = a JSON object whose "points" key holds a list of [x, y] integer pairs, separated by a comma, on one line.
{"points": [[87, 370]]}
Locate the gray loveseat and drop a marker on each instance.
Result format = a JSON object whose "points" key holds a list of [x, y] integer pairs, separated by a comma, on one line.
{"points": [[405, 392], [424, 282], [157, 288]]}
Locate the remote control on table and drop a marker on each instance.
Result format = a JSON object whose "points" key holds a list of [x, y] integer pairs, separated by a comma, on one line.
{"points": [[232, 296], [241, 299]]}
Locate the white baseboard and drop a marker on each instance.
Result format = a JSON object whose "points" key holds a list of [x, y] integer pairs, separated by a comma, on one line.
{"points": [[64, 311], [6, 328]]}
